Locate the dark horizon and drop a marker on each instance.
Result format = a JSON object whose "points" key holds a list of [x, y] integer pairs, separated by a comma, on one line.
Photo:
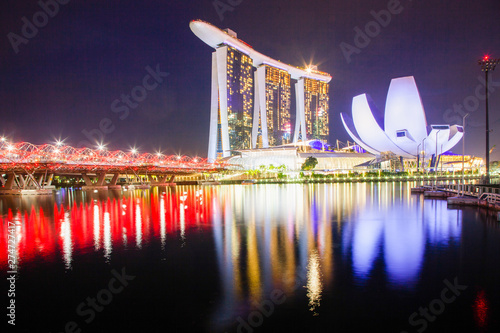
{"points": [[65, 79]]}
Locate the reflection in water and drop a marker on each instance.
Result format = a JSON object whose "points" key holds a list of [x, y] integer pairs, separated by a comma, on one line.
{"points": [[77, 222], [266, 237], [97, 227], [366, 241], [395, 228], [107, 236], [272, 237], [314, 285], [163, 230], [67, 240], [138, 225], [481, 309]]}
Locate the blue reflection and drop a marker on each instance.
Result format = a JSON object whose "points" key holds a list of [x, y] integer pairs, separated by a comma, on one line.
{"points": [[366, 246], [397, 234]]}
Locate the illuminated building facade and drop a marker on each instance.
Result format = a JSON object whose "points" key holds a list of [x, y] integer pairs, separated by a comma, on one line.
{"points": [[232, 102], [239, 98], [273, 126], [237, 88], [404, 131], [316, 109]]}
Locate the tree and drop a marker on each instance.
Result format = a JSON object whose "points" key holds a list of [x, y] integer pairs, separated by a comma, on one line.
{"points": [[310, 163]]}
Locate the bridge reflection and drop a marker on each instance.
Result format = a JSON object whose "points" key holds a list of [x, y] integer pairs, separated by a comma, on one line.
{"points": [[79, 222]]}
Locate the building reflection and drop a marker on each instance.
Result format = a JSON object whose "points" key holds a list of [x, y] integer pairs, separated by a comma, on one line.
{"points": [[394, 228], [265, 237], [273, 238]]}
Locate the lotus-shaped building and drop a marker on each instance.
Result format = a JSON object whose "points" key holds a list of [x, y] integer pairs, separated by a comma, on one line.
{"points": [[403, 129]]}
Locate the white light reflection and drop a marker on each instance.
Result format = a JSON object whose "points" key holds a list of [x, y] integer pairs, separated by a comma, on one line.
{"points": [[314, 284], [67, 241], [182, 217], [124, 236], [138, 225], [97, 228], [108, 247], [163, 233]]}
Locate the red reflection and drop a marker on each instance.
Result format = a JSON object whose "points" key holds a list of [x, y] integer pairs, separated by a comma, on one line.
{"points": [[106, 224], [481, 309]]}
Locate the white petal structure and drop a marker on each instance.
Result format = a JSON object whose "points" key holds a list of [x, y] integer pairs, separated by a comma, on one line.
{"points": [[404, 128]]}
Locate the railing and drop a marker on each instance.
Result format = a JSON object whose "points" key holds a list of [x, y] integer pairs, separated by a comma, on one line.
{"points": [[472, 190], [491, 198]]}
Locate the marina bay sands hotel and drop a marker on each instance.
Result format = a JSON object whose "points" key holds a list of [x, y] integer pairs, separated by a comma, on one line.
{"points": [[250, 108]]}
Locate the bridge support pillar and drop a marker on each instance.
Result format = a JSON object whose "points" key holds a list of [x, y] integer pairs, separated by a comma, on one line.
{"points": [[161, 180], [114, 179], [101, 177], [112, 184], [23, 185], [49, 179], [10, 181], [22, 181], [98, 185], [40, 180], [87, 180]]}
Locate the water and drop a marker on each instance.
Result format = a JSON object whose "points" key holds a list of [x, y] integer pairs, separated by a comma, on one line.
{"points": [[366, 257]]}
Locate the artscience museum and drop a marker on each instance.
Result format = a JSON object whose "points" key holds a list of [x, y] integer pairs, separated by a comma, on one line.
{"points": [[403, 129]]}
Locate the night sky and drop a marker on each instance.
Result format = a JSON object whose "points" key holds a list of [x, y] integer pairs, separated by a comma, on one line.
{"points": [[63, 79]]}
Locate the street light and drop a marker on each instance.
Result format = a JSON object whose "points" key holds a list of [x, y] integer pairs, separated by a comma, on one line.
{"points": [[418, 155], [436, 163], [442, 161], [463, 153], [423, 154], [487, 65]]}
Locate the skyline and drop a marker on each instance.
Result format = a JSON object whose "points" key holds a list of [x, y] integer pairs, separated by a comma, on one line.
{"points": [[245, 109], [66, 79]]}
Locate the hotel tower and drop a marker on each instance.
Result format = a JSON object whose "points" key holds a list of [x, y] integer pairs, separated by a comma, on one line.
{"points": [[252, 93]]}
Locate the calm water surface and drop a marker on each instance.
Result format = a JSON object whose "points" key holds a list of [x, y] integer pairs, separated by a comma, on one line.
{"points": [[274, 258]]}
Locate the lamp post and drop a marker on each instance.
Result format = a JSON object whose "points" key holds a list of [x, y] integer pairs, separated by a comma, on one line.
{"points": [[423, 153], [487, 65], [463, 153], [436, 163], [441, 161], [418, 155]]}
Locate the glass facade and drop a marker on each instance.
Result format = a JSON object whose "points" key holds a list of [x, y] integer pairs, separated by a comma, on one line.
{"points": [[278, 97], [240, 98], [240, 84], [316, 102]]}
